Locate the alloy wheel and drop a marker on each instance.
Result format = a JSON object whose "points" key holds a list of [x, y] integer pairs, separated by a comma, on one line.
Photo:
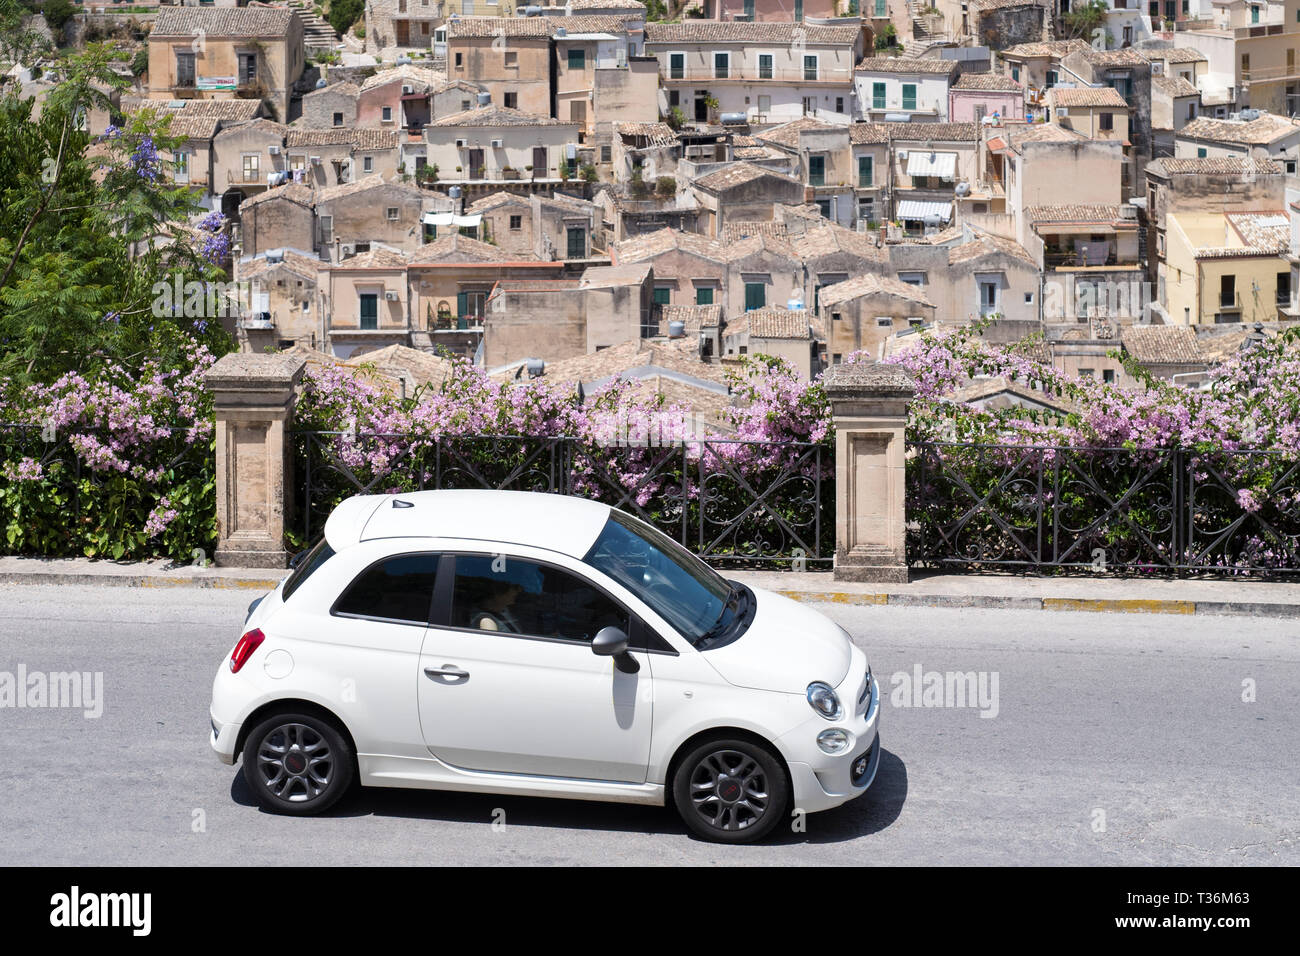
{"points": [[295, 763], [729, 790]]}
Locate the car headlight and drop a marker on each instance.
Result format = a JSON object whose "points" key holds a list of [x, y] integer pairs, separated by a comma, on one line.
{"points": [[833, 741], [822, 698]]}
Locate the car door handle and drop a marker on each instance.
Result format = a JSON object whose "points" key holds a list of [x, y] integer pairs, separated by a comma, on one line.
{"points": [[446, 674]]}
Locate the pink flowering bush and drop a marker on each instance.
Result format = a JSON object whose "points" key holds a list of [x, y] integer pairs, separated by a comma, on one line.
{"points": [[613, 445], [119, 465]]}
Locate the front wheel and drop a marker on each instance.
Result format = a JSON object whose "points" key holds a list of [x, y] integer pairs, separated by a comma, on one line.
{"points": [[731, 791], [297, 764]]}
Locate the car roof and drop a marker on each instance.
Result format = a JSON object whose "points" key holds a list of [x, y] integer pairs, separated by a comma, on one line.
{"points": [[560, 523]]}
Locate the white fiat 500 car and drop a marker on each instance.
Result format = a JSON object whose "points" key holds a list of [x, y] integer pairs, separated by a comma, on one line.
{"points": [[534, 644]]}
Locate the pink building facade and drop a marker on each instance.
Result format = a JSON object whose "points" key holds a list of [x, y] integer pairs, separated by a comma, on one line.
{"points": [[766, 11], [971, 106]]}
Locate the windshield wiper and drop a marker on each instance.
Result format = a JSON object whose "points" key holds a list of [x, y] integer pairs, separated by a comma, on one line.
{"points": [[724, 620]]}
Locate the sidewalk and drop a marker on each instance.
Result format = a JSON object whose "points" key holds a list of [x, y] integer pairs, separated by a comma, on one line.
{"points": [[1134, 596], [1081, 593]]}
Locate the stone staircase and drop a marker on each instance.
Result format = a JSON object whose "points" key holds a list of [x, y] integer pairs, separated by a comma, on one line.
{"points": [[317, 34]]}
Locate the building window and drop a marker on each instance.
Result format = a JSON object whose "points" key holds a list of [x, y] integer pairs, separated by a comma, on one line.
{"points": [[326, 234], [765, 71], [909, 96], [511, 58], [388, 114], [816, 170], [391, 213], [912, 278], [338, 119], [839, 104], [577, 244], [512, 101], [516, 223], [185, 69], [988, 297], [1284, 288], [460, 59], [369, 302], [676, 66], [884, 322], [368, 164], [1052, 78], [877, 96], [663, 295], [247, 69], [1191, 112], [252, 168], [606, 154], [181, 167], [577, 59], [1108, 375], [866, 171], [1200, 152], [765, 105], [810, 67], [1015, 71], [755, 295], [704, 295], [721, 65], [1106, 122]]}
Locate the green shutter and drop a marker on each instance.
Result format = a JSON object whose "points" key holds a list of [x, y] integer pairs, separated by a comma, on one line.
{"points": [[877, 96], [865, 171], [817, 170], [663, 295], [369, 311], [577, 59], [755, 296], [704, 295], [909, 96]]}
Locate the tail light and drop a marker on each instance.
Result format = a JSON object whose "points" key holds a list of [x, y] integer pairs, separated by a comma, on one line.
{"points": [[244, 649]]}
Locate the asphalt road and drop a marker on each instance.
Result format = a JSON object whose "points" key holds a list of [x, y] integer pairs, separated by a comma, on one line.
{"points": [[1117, 739]]}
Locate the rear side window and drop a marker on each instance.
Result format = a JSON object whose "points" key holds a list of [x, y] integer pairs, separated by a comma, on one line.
{"points": [[397, 589], [314, 558], [511, 595]]}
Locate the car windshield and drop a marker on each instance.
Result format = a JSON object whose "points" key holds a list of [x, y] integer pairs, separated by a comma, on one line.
{"points": [[677, 585]]}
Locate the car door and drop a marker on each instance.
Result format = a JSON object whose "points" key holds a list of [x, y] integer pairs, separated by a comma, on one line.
{"points": [[509, 682], [353, 636]]}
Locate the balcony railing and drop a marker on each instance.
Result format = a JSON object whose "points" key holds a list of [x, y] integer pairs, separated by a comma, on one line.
{"points": [[1071, 259], [749, 73]]}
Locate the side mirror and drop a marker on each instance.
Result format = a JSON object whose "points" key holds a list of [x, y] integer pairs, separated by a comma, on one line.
{"points": [[612, 642]]}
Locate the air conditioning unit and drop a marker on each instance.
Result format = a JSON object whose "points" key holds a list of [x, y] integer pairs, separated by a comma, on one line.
{"points": [[390, 296], [497, 144], [346, 250], [407, 90], [460, 144], [1128, 211], [273, 150]]}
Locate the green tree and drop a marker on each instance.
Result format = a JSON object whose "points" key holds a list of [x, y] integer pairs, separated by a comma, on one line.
{"points": [[88, 225], [344, 13], [1085, 20]]}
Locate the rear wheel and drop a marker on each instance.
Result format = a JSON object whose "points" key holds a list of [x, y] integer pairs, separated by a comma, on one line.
{"points": [[297, 764], [731, 790]]}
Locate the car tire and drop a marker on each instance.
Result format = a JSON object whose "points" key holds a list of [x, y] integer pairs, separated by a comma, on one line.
{"points": [[298, 764], [731, 790]]}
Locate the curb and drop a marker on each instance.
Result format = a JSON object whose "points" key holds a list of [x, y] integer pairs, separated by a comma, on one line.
{"points": [[1093, 605], [51, 578]]}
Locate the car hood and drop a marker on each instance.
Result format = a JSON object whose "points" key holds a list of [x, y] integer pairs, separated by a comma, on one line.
{"points": [[786, 648]]}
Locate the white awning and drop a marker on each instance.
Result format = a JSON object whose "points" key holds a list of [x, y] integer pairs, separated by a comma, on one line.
{"points": [[914, 209], [450, 219], [924, 163]]}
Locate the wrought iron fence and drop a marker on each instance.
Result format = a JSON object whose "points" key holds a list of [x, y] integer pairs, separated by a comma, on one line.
{"points": [[1049, 508], [730, 501]]}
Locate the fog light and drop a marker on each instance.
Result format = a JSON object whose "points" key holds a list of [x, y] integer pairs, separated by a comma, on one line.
{"points": [[833, 741]]}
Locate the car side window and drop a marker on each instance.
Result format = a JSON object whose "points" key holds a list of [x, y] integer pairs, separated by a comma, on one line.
{"points": [[515, 596], [398, 589]]}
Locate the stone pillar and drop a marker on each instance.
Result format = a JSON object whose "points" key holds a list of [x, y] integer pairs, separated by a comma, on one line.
{"points": [[869, 411], [253, 397]]}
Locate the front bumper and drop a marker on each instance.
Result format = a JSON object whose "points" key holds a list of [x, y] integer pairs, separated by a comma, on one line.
{"points": [[822, 781]]}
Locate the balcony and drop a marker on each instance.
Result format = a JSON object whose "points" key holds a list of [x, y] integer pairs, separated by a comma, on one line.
{"points": [[256, 322], [744, 73]]}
